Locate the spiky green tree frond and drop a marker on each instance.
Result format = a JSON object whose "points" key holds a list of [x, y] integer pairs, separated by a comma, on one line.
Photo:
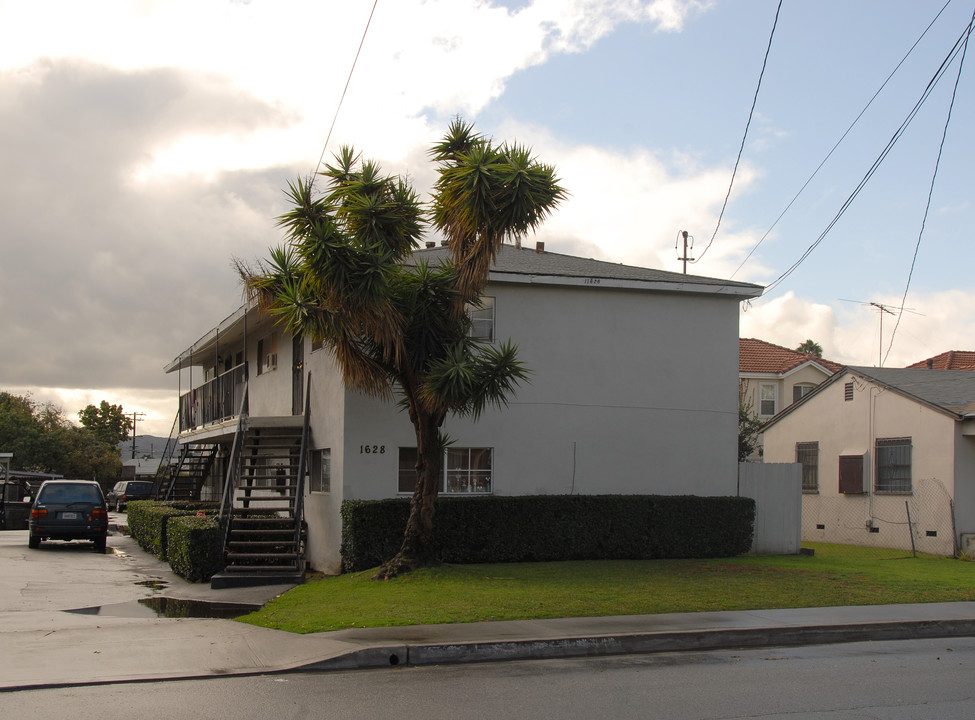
{"points": [[344, 278]]}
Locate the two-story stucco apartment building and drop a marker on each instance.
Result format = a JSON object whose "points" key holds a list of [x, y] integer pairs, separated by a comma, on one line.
{"points": [[633, 390]]}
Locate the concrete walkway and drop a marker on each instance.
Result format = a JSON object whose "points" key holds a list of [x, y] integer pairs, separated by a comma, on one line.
{"points": [[69, 616]]}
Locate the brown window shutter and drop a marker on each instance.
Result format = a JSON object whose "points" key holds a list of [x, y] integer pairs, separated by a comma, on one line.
{"points": [[851, 474]]}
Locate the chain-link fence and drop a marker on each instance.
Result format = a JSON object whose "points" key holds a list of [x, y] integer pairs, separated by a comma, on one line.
{"points": [[920, 521]]}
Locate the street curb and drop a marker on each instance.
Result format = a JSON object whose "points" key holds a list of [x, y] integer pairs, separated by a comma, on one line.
{"points": [[640, 644]]}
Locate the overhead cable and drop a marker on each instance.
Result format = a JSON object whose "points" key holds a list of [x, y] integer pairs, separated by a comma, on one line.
{"points": [[745, 135], [883, 156], [842, 138], [934, 177], [344, 90]]}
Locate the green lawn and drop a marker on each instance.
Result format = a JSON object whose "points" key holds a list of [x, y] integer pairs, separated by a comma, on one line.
{"points": [[835, 575]]}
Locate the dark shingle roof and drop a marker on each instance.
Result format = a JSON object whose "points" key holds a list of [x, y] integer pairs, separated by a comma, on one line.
{"points": [[530, 262], [952, 390]]}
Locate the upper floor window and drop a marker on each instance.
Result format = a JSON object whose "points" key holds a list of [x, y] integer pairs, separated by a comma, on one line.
{"points": [[800, 391], [267, 354], [482, 319], [807, 455], [768, 394], [893, 465]]}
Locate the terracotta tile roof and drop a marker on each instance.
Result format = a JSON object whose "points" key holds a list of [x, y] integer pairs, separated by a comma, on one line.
{"points": [[951, 360], [758, 356]]}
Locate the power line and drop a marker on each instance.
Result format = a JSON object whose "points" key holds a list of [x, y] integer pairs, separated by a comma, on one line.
{"points": [[344, 90], [883, 156], [934, 177], [745, 135], [842, 138]]}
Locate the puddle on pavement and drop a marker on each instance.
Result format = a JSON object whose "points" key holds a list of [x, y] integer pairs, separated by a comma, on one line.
{"points": [[170, 608], [152, 584]]}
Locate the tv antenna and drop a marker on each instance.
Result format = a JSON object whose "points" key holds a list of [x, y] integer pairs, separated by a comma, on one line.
{"points": [[881, 311]]}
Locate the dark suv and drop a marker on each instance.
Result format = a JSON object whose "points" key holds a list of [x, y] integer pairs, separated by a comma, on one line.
{"points": [[69, 510], [119, 496]]}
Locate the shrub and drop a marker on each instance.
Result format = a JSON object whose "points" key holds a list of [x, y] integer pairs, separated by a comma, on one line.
{"points": [[554, 527], [147, 524], [194, 548]]}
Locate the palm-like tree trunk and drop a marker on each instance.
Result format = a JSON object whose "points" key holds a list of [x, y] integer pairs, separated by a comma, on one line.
{"points": [[417, 547]]}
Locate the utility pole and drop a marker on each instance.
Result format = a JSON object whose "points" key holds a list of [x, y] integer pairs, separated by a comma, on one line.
{"points": [[688, 245], [135, 417]]}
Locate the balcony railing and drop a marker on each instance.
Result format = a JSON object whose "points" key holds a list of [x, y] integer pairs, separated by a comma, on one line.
{"points": [[213, 402]]}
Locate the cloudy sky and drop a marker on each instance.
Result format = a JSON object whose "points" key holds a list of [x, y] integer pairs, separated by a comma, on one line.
{"points": [[145, 143]]}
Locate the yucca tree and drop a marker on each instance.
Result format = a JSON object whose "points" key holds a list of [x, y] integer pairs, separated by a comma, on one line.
{"points": [[396, 327]]}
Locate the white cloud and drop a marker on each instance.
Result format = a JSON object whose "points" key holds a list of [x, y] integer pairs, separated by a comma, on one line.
{"points": [[850, 334]]}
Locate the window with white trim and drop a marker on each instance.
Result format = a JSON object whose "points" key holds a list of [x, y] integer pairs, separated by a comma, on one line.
{"points": [[768, 396], [482, 319], [893, 465], [465, 471]]}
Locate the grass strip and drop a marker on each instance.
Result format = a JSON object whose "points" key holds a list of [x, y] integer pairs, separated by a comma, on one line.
{"points": [[835, 575]]}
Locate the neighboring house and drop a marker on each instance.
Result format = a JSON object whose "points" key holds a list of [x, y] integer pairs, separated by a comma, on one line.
{"points": [[772, 377], [140, 468], [632, 391], [878, 443], [951, 360]]}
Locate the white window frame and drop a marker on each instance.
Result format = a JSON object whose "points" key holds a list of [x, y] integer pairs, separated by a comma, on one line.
{"points": [[459, 475], [762, 400], [482, 319]]}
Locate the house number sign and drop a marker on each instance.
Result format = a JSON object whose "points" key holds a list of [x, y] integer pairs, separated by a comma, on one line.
{"points": [[372, 449]]}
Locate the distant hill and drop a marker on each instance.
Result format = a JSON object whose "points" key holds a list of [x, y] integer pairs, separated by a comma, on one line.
{"points": [[145, 446]]}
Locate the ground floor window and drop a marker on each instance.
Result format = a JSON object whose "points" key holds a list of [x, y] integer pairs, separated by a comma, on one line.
{"points": [[807, 455], [893, 465], [465, 470], [321, 470]]}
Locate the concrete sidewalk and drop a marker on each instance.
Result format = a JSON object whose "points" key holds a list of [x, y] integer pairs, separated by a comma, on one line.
{"points": [[69, 616]]}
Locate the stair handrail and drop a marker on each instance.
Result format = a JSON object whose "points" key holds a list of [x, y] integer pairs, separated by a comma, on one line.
{"points": [[233, 471], [164, 469], [299, 510]]}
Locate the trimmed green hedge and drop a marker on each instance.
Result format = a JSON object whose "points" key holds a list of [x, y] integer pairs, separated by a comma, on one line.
{"points": [[148, 521], [554, 527], [194, 548]]}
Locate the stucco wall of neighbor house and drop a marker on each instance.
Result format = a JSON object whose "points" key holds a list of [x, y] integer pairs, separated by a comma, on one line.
{"points": [[630, 393], [807, 375], [851, 428], [964, 486]]}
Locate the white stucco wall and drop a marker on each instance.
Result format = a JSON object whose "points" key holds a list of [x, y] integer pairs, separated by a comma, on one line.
{"points": [[850, 428], [630, 393]]}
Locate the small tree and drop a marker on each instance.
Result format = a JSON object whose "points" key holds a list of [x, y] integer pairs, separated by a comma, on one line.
{"points": [[810, 347], [108, 423], [346, 278]]}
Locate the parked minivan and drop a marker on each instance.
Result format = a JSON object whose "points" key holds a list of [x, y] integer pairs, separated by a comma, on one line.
{"points": [[69, 510]]}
